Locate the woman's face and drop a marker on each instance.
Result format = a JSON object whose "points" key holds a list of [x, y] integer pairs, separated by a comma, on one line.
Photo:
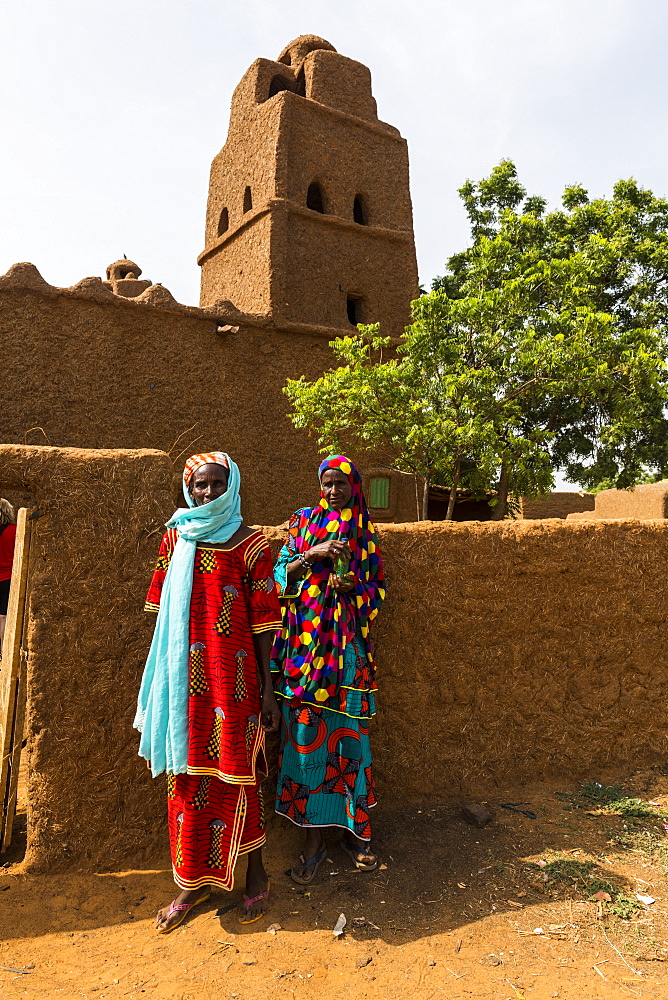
{"points": [[208, 483], [336, 488]]}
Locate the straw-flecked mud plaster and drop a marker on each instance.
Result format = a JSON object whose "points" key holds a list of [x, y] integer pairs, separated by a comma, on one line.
{"points": [[506, 652]]}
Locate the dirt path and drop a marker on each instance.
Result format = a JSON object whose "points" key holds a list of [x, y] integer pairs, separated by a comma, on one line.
{"points": [[455, 912]]}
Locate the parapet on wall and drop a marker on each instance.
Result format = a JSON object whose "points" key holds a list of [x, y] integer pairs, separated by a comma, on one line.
{"points": [[506, 652], [84, 367]]}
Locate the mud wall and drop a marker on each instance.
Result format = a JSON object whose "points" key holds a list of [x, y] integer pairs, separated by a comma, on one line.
{"points": [[97, 527], [518, 650], [119, 374], [85, 368], [557, 504], [506, 652], [646, 502], [82, 372]]}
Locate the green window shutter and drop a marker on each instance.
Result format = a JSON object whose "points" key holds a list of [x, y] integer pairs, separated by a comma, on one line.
{"points": [[380, 492]]}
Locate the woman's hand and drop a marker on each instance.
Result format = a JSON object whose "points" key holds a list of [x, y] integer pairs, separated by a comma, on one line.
{"points": [[271, 713], [332, 549], [341, 584]]}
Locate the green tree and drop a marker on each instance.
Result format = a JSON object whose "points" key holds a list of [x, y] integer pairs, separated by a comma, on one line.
{"points": [[372, 400], [615, 253], [541, 347]]}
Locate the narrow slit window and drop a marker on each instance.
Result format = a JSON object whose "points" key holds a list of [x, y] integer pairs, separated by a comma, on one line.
{"points": [[379, 492], [314, 198], [359, 215], [248, 200], [223, 222], [353, 310]]}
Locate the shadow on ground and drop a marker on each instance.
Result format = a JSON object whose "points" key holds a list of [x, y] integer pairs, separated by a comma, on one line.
{"points": [[437, 874]]}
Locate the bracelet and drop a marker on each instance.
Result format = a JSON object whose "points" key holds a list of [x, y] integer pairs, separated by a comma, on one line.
{"points": [[303, 560]]}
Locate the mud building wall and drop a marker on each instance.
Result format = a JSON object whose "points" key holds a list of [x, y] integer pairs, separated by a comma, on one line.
{"points": [[558, 504], [506, 652], [117, 374], [83, 372], [645, 502], [516, 650], [90, 798]]}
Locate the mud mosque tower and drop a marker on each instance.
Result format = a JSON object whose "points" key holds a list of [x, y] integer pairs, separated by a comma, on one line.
{"points": [[309, 219]]}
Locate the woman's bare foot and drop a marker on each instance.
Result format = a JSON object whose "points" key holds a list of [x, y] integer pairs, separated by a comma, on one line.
{"points": [[169, 917], [257, 883]]}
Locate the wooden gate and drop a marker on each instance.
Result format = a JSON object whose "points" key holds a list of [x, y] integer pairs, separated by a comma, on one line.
{"points": [[13, 680]]}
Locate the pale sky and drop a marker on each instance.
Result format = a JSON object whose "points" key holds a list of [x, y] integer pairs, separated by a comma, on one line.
{"points": [[112, 112]]}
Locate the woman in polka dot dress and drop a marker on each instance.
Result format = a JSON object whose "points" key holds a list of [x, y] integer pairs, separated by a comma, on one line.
{"points": [[331, 585]]}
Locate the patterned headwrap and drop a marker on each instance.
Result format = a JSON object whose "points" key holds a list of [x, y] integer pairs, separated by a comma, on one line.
{"points": [[207, 458], [318, 626]]}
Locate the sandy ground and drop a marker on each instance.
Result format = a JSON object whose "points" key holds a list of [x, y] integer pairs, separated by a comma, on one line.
{"points": [[454, 912]]}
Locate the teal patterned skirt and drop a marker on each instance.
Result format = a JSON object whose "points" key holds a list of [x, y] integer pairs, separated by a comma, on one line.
{"points": [[325, 770]]}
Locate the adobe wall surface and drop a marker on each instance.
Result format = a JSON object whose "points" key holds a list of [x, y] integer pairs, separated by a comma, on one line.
{"points": [[109, 372], [318, 284], [349, 157], [242, 271], [91, 800], [506, 651], [557, 504], [645, 502], [517, 650]]}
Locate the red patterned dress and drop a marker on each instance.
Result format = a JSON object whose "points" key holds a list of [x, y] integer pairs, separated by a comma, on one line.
{"points": [[215, 810]]}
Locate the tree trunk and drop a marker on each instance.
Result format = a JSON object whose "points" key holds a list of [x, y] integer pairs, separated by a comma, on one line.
{"points": [[453, 490], [501, 508], [425, 499], [417, 497]]}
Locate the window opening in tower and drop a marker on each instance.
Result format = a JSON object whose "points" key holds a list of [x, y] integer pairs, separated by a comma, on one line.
{"points": [[354, 309], [248, 200], [314, 199], [223, 222], [359, 214], [278, 84]]}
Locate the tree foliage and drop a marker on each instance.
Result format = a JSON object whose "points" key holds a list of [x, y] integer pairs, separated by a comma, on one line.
{"points": [[542, 347], [609, 259]]}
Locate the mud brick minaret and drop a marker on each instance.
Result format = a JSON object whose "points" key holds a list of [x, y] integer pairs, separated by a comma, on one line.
{"points": [[309, 218]]}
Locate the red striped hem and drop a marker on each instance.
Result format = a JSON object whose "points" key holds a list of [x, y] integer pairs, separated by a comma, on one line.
{"points": [[235, 779], [252, 845], [227, 881]]}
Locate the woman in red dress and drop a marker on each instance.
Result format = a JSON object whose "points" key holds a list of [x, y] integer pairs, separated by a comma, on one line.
{"points": [[7, 541], [214, 801]]}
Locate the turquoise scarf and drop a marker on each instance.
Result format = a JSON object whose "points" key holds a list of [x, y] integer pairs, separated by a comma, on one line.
{"points": [[162, 706]]}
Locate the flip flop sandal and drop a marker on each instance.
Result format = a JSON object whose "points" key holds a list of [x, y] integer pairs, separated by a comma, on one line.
{"points": [[182, 908], [313, 863], [248, 902], [353, 852]]}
